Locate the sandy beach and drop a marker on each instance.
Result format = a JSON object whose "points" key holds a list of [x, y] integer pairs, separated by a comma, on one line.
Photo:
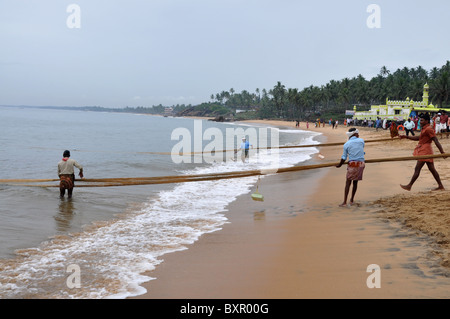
{"points": [[299, 244]]}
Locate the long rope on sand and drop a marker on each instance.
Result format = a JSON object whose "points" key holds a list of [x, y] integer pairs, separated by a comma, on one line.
{"points": [[130, 181]]}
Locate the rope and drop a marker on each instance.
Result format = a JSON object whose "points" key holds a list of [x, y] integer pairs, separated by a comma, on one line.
{"points": [[218, 151], [268, 148], [130, 181]]}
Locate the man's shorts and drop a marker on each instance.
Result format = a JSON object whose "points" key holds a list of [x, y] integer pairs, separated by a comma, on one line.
{"points": [[355, 170]]}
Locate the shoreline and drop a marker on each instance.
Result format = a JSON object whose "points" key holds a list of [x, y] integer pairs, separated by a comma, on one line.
{"points": [[302, 245]]}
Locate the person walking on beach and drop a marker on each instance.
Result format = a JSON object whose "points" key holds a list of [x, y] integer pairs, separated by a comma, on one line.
{"points": [[437, 122], [354, 151], [393, 129], [426, 137], [377, 124], [66, 174], [444, 120], [448, 125]]}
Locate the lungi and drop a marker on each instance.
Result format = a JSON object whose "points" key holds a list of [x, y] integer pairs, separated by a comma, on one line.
{"points": [[355, 170], [424, 149], [66, 181]]}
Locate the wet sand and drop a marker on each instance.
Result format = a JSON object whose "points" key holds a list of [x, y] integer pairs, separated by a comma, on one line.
{"points": [[299, 243]]}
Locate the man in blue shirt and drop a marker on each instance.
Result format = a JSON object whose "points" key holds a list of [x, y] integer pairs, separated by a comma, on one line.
{"points": [[245, 147], [354, 151]]}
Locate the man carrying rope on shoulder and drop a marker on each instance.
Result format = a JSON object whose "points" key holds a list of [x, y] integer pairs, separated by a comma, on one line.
{"points": [[66, 174], [426, 137], [354, 150]]}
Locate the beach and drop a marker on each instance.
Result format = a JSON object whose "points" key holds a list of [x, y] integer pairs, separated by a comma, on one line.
{"points": [[299, 244]]}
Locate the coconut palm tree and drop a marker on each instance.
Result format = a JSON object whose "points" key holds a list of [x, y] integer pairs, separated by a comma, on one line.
{"points": [[279, 97], [384, 72], [440, 89]]}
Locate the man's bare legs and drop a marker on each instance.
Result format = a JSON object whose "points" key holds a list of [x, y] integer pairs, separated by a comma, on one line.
{"points": [[416, 174], [347, 190]]}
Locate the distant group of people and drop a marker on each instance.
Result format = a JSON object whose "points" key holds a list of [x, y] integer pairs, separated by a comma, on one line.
{"points": [[321, 123], [354, 152], [440, 123]]}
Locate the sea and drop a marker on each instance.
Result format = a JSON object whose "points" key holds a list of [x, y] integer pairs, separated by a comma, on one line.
{"points": [[101, 242]]}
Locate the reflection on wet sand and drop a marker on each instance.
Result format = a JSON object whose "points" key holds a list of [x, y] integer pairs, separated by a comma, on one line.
{"points": [[261, 215], [65, 215]]}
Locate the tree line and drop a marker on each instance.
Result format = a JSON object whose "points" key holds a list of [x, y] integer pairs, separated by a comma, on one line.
{"points": [[333, 98]]}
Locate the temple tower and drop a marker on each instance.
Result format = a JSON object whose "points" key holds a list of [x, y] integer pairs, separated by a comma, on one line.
{"points": [[425, 93]]}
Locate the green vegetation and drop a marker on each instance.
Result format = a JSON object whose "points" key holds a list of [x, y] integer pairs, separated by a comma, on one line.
{"points": [[334, 98]]}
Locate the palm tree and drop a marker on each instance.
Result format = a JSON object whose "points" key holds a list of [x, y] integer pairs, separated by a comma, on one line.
{"points": [[440, 89], [279, 97], [400, 87], [434, 73], [258, 96], [415, 90], [361, 90], [384, 72], [421, 74], [293, 102]]}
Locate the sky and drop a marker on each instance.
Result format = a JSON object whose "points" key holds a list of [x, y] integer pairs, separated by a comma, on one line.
{"points": [[118, 53]]}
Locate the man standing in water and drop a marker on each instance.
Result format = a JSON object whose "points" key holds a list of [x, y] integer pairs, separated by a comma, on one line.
{"points": [[354, 150], [245, 148], [66, 174]]}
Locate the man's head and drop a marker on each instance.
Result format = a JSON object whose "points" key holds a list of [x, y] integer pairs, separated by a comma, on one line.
{"points": [[424, 119], [352, 132], [66, 153]]}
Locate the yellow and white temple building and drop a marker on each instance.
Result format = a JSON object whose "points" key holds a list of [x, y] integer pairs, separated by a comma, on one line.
{"points": [[399, 110]]}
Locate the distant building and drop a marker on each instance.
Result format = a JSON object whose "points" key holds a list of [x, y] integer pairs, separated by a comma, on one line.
{"points": [[168, 111], [399, 110]]}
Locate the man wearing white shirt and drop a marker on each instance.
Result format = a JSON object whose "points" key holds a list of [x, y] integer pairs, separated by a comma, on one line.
{"points": [[409, 127]]}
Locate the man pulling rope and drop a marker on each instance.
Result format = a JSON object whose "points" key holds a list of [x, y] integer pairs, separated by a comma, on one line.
{"points": [[66, 174], [354, 151]]}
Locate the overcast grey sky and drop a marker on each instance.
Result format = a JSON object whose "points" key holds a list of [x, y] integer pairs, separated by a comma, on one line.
{"points": [[147, 52]]}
